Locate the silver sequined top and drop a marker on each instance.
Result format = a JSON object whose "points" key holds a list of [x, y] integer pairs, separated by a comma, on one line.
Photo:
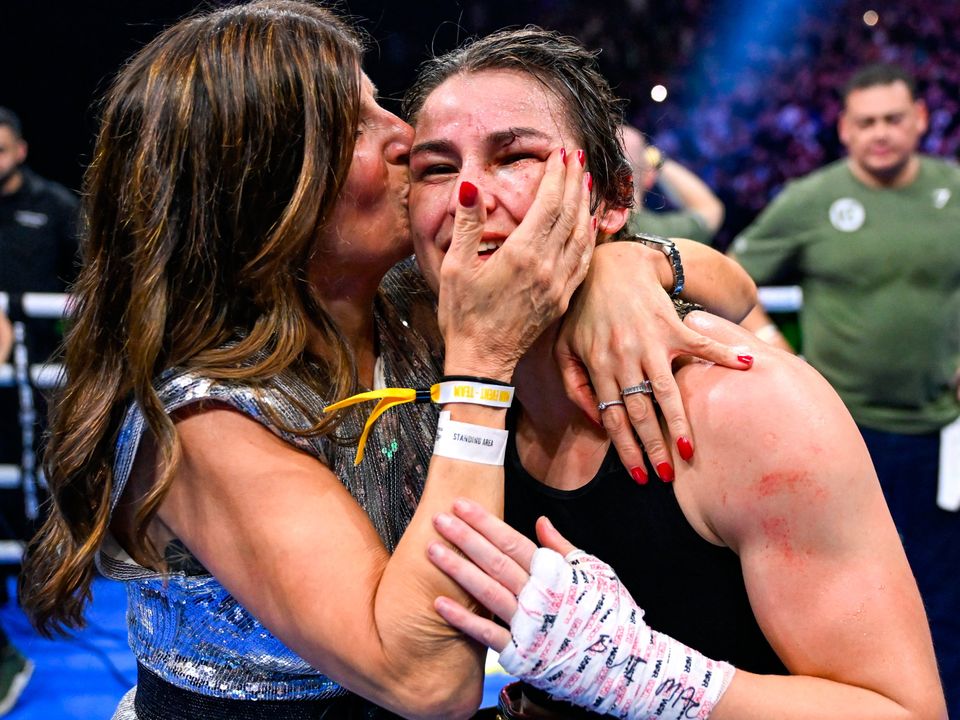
{"points": [[184, 626]]}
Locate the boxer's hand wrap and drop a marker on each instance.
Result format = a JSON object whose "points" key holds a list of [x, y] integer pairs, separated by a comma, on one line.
{"points": [[579, 635]]}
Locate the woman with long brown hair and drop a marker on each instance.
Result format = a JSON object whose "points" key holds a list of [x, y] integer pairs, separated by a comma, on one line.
{"points": [[246, 200]]}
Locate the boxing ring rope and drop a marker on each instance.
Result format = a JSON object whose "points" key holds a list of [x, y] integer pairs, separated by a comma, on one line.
{"points": [[781, 298], [25, 376]]}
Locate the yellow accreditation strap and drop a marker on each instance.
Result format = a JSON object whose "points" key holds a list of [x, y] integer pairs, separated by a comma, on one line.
{"points": [[443, 392]]}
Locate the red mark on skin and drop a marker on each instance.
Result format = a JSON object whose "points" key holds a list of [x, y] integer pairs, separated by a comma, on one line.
{"points": [[777, 531], [776, 483]]}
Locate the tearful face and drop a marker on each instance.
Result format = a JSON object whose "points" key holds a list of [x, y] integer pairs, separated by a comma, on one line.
{"points": [[495, 129]]}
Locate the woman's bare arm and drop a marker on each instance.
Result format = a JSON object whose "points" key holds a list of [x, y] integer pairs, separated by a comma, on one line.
{"points": [[278, 529], [789, 487]]}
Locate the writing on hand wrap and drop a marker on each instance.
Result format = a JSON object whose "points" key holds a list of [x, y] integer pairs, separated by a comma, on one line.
{"points": [[579, 635]]}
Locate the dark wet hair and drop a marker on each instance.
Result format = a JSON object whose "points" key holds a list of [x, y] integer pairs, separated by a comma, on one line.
{"points": [[568, 70]]}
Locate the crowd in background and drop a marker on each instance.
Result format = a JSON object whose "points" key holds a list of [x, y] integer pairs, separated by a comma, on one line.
{"points": [[775, 118], [752, 88]]}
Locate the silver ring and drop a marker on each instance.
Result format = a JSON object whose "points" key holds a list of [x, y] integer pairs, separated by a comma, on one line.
{"points": [[644, 388], [604, 405]]}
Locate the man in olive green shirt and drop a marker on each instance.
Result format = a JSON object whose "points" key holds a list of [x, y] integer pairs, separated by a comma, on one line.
{"points": [[874, 241]]}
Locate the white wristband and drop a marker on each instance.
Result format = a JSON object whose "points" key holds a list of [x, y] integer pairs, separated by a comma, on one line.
{"points": [[473, 443], [475, 393]]}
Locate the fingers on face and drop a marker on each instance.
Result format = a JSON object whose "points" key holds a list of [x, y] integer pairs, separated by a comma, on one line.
{"points": [[573, 228], [468, 223], [547, 207], [582, 238], [472, 625], [542, 241], [487, 591]]}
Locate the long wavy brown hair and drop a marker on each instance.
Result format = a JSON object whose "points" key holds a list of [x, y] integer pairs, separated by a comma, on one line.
{"points": [[223, 146]]}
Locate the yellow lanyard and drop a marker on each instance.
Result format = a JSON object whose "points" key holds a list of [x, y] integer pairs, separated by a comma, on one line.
{"points": [[477, 391], [388, 397]]}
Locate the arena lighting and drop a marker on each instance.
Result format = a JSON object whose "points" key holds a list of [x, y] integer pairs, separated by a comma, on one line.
{"points": [[658, 93], [741, 26], [871, 18]]}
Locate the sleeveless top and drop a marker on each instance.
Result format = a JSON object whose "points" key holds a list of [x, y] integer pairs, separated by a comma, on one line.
{"points": [[184, 626], [689, 589]]}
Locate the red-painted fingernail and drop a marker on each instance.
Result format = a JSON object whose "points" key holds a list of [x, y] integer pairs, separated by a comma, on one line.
{"points": [[582, 157], [468, 194], [563, 154], [746, 359], [593, 223], [665, 471], [639, 475], [685, 447], [589, 182]]}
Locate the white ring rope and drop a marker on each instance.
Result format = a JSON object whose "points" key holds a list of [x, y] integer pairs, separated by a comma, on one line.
{"points": [[44, 376]]}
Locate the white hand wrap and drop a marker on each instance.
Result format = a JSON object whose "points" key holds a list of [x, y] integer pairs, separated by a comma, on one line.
{"points": [[579, 635]]}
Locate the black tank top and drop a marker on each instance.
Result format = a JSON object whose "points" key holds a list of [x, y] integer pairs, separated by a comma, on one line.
{"points": [[689, 589]]}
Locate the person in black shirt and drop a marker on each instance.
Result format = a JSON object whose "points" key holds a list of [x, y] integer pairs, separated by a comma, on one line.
{"points": [[38, 248], [38, 238], [38, 245]]}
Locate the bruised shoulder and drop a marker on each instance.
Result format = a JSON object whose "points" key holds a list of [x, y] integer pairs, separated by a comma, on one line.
{"points": [[771, 441]]}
